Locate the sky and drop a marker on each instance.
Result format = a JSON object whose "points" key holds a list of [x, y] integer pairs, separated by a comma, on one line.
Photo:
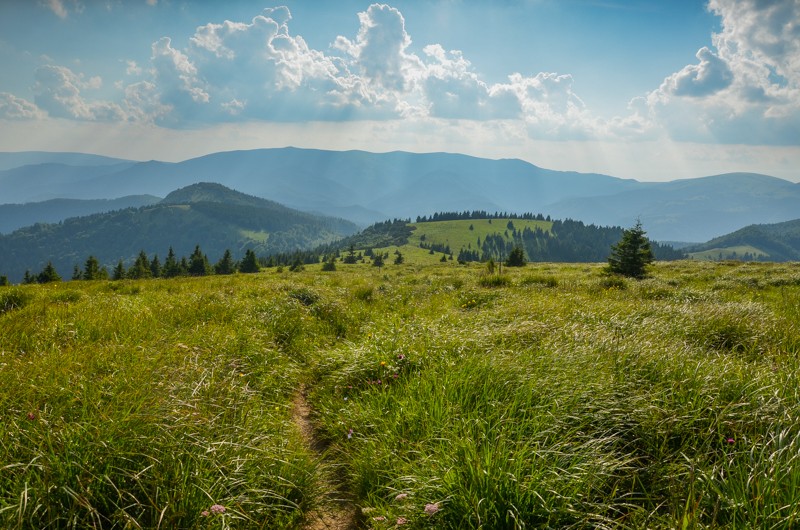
{"points": [[652, 90]]}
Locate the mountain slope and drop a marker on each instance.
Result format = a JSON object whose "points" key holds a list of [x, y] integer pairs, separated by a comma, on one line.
{"points": [[208, 215], [770, 242], [692, 209], [14, 216]]}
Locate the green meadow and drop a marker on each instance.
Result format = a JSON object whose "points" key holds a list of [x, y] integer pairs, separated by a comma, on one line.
{"points": [[438, 396]]}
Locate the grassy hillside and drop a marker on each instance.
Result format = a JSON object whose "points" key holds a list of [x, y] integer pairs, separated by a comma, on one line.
{"points": [[209, 215], [772, 242], [458, 234], [560, 398]]}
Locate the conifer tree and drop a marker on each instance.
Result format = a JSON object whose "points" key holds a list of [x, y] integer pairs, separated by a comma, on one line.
{"points": [[329, 265], [155, 267], [171, 267], [141, 267], [632, 254], [377, 260], [250, 262], [48, 274], [198, 263], [226, 264], [4, 280], [119, 271], [516, 258], [28, 278], [91, 269], [76, 273]]}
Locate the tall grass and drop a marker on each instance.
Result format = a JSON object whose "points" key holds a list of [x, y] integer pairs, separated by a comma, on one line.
{"points": [[558, 400]]}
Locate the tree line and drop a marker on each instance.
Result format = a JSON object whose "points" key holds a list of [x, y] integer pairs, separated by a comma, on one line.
{"points": [[197, 264]]}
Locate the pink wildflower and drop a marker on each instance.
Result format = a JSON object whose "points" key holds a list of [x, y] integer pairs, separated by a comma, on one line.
{"points": [[401, 520], [31, 416], [349, 434], [401, 496], [730, 441], [379, 518], [217, 509], [204, 513], [431, 508]]}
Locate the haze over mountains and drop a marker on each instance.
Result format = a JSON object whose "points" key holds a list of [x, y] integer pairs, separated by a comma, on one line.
{"points": [[368, 187]]}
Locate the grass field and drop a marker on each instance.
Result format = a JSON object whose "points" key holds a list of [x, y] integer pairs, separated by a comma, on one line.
{"points": [[557, 398], [458, 234]]}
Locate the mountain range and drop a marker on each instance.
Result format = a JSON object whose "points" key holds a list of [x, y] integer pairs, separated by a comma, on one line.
{"points": [[369, 187]]}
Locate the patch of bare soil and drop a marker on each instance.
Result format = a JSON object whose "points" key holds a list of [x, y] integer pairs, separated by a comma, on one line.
{"points": [[337, 511]]}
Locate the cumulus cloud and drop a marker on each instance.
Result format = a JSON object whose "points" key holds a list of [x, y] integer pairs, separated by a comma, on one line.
{"points": [[58, 91], [61, 9], [14, 108], [745, 90]]}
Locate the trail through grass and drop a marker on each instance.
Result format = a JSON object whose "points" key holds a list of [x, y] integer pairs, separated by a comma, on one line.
{"points": [[555, 398]]}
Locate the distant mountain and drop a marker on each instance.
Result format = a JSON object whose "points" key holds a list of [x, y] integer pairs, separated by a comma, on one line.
{"points": [[692, 209], [26, 158], [370, 187], [209, 215], [768, 242], [14, 216]]}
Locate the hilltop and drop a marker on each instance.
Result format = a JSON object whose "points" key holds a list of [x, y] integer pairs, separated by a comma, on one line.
{"points": [[209, 215]]}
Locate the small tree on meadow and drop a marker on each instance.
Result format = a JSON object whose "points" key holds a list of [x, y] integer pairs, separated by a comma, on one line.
{"points": [[226, 264], [91, 269], [119, 271], [48, 274], [399, 259], [171, 267], [516, 258], [377, 260], [198, 263], [632, 254], [4, 281], [329, 265], [140, 268], [250, 262], [155, 267]]}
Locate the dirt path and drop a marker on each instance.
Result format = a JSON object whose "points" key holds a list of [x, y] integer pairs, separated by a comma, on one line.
{"points": [[337, 511]]}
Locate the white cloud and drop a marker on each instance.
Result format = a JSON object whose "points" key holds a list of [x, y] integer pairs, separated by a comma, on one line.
{"points": [[58, 91], [12, 107], [60, 8], [746, 90]]}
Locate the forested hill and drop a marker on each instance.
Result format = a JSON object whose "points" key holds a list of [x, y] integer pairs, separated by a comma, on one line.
{"points": [[767, 242], [479, 236], [209, 215]]}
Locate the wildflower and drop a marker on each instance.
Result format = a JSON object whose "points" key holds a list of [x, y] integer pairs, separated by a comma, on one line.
{"points": [[383, 363], [31, 416], [401, 357], [401, 520], [204, 513], [431, 508], [379, 518], [401, 496], [730, 441], [217, 509], [350, 434]]}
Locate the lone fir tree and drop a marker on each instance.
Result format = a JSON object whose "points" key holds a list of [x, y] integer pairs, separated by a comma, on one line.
{"points": [[632, 254]]}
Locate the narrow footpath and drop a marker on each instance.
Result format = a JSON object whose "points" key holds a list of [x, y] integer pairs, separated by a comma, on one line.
{"points": [[337, 511]]}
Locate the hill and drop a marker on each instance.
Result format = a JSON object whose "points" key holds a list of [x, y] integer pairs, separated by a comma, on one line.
{"points": [[479, 236], [14, 216], [768, 242], [369, 187], [209, 215]]}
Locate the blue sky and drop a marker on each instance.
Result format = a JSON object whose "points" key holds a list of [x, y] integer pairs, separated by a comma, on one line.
{"points": [[652, 90]]}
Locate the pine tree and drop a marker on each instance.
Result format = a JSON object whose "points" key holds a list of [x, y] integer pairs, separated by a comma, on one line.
{"points": [[329, 265], [250, 262], [48, 274], [632, 254], [171, 267], [516, 258], [377, 260], [119, 271], [198, 263], [4, 280], [398, 260], [91, 269], [155, 267], [76, 272], [225, 265], [141, 267], [28, 278]]}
